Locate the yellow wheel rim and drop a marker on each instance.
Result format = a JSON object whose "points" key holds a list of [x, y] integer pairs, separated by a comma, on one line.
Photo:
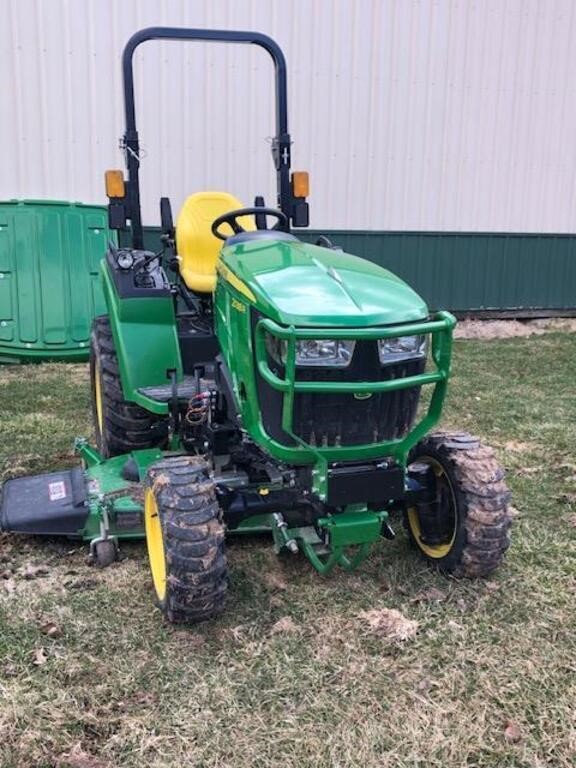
{"points": [[435, 551], [155, 543], [98, 398]]}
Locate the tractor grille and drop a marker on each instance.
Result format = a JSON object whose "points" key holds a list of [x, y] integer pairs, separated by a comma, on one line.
{"points": [[343, 419], [346, 419]]}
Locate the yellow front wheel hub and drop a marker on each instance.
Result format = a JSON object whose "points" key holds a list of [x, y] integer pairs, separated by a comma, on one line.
{"points": [[155, 543], [442, 549]]}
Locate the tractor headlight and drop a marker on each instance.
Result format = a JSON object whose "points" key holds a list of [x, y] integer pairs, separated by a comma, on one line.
{"points": [[332, 353], [402, 348]]}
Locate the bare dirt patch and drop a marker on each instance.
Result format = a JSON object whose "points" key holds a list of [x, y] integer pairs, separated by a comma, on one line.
{"points": [[509, 329], [517, 446], [390, 623]]}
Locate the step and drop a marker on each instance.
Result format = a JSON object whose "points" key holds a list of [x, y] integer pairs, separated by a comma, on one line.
{"points": [[163, 392]]}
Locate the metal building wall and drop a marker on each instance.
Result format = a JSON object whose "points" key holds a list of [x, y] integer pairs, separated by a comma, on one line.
{"points": [[410, 114]]}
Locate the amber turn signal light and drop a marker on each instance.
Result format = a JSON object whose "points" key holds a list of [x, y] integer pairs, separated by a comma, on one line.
{"points": [[114, 183], [300, 184]]}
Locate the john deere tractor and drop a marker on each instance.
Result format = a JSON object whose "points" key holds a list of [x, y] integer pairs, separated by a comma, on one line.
{"points": [[244, 381]]}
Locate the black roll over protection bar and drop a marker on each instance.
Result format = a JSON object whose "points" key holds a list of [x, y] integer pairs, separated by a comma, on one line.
{"points": [[128, 207]]}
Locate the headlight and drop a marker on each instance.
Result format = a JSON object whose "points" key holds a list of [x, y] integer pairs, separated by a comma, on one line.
{"points": [[332, 353], [401, 348]]}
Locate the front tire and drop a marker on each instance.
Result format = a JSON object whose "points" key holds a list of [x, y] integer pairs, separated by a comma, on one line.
{"points": [[185, 540], [464, 530], [119, 425]]}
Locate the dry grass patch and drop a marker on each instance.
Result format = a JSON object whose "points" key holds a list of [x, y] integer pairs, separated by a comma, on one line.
{"points": [[294, 673]]}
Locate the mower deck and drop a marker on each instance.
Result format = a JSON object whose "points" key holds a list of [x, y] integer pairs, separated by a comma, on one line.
{"points": [[104, 502]]}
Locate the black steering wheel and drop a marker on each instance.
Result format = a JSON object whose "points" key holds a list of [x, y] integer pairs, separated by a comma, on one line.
{"points": [[259, 212]]}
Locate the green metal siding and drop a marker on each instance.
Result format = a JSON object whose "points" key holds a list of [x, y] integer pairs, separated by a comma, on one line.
{"points": [[467, 271], [49, 289]]}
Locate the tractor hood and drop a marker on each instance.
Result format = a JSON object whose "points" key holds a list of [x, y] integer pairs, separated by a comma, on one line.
{"points": [[300, 284]]}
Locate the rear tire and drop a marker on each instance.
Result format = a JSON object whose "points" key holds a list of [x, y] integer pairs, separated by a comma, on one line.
{"points": [[185, 540], [120, 426], [468, 533]]}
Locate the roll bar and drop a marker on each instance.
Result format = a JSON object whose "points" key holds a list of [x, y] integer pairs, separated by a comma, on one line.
{"points": [[130, 143]]}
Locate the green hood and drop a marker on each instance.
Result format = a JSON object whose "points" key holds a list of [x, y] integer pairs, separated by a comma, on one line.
{"points": [[300, 284]]}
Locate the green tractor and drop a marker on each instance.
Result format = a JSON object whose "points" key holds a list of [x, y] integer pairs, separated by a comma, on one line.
{"points": [[244, 381]]}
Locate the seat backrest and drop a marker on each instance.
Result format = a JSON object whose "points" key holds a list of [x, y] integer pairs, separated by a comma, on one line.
{"points": [[196, 246]]}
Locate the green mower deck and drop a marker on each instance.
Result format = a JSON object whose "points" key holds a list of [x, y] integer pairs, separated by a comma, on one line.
{"points": [[102, 503]]}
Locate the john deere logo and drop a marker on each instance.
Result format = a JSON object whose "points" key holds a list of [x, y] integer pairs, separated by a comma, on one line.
{"points": [[362, 395]]}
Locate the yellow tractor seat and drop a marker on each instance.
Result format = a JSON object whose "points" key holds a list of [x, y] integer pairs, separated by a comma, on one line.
{"points": [[196, 246]]}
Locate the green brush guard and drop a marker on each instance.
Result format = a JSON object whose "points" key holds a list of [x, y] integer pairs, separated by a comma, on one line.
{"points": [[440, 328]]}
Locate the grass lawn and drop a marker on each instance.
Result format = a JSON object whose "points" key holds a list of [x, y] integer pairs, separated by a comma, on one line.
{"points": [[90, 676]]}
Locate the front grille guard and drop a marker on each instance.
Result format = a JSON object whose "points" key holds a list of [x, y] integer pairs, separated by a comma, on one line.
{"points": [[440, 329]]}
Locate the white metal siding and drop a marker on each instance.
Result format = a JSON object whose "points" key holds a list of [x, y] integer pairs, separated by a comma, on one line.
{"points": [[409, 114]]}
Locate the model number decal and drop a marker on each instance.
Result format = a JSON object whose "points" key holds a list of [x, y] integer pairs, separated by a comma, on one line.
{"points": [[238, 305], [57, 490]]}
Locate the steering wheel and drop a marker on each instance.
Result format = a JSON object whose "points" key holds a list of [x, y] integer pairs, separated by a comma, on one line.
{"points": [[259, 212]]}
